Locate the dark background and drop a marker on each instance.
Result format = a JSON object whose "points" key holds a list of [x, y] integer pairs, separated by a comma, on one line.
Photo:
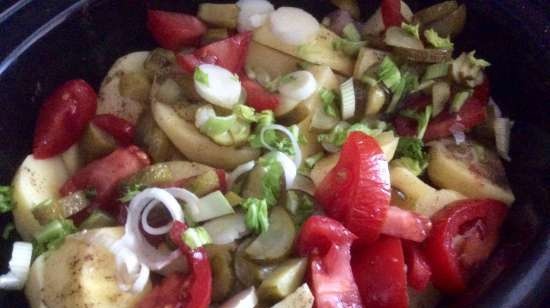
{"points": [[45, 42]]}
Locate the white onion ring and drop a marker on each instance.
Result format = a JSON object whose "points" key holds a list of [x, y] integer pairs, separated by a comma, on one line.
{"points": [[191, 200], [240, 170], [289, 168], [20, 264]]}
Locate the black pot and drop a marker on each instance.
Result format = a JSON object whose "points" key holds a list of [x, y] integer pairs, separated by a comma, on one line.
{"points": [[44, 43]]}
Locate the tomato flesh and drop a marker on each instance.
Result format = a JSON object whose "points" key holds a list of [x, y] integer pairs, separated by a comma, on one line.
{"points": [[463, 236], [357, 190], [179, 290], [229, 53], [104, 175], [418, 270], [406, 224], [391, 13], [122, 130], [258, 97], [174, 30], [327, 244], [63, 118], [379, 271]]}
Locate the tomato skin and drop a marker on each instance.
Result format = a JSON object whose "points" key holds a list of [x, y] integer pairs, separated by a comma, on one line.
{"points": [[122, 130], [63, 118], [418, 270], [229, 53], [327, 243], [357, 190], [454, 253], [406, 224], [179, 290], [379, 271], [258, 97], [391, 13], [105, 174], [174, 30]]}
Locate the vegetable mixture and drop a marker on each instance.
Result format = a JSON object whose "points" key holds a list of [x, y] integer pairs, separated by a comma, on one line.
{"points": [[262, 158]]}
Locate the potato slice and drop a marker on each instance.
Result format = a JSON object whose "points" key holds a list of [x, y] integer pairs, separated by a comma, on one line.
{"points": [[261, 58], [219, 15], [469, 169], [110, 100], [318, 51], [36, 180], [80, 273], [409, 184], [430, 204], [366, 58], [196, 146], [72, 159]]}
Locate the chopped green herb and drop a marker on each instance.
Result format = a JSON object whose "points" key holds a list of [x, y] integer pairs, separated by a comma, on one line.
{"points": [[6, 202], [459, 100], [422, 119], [271, 182], [389, 74], [196, 237], [350, 32], [287, 78], [348, 47], [413, 30], [257, 215], [436, 41], [245, 113], [8, 229], [271, 137], [328, 97], [410, 153], [52, 235], [201, 77], [435, 71], [408, 83], [131, 191], [338, 135]]}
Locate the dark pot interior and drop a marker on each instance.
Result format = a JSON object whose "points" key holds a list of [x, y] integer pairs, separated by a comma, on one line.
{"points": [[47, 42]]}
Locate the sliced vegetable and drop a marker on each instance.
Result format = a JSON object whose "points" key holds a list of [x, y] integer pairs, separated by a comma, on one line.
{"points": [[284, 280], [52, 235], [243, 299], [258, 97], [223, 279], [217, 85], [406, 225], [20, 263], [249, 273], [463, 236], [135, 86], [174, 30], [389, 73], [436, 41], [153, 140], [441, 93], [293, 26], [452, 24], [357, 190], [459, 100], [226, 229], [350, 32], [391, 13], [214, 35], [275, 243], [122, 130], [220, 15], [431, 203], [502, 128], [435, 71], [300, 205], [398, 37], [467, 69], [347, 99], [435, 12], [379, 271], [298, 85], [6, 202], [418, 270], [98, 219], [302, 297], [95, 143], [411, 29], [63, 117], [427, 55], [196, 237], [253, 14], [61, 208]]}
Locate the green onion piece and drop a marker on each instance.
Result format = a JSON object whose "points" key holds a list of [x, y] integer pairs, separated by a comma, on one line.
{"points": [[413, 30], [369, 80], [350, 32], [422, 118], [329, 105], [349, 48], [389, 73], [436, 41], [336, 136], [196, 237], [53, 235], [6, 202], [218, 125], [477, 62], [245, 113], [459, 99], [271, 182], [414, 166], [257, 214], [408, 82], [347, 99], [98, 219], [436, 71], [131, 191], [200, 76]]}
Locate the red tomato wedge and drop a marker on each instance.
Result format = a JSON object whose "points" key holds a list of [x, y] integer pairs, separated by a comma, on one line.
{"points": [[105, 174], [63, 118], [463, 236], [229, 54], [175, 30], [357, 190], [179, 290], [327, 244], [472, 113], [418, 270], [406, 224], [391, 13], [258, 97], [122, 130], [379, 271]]}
